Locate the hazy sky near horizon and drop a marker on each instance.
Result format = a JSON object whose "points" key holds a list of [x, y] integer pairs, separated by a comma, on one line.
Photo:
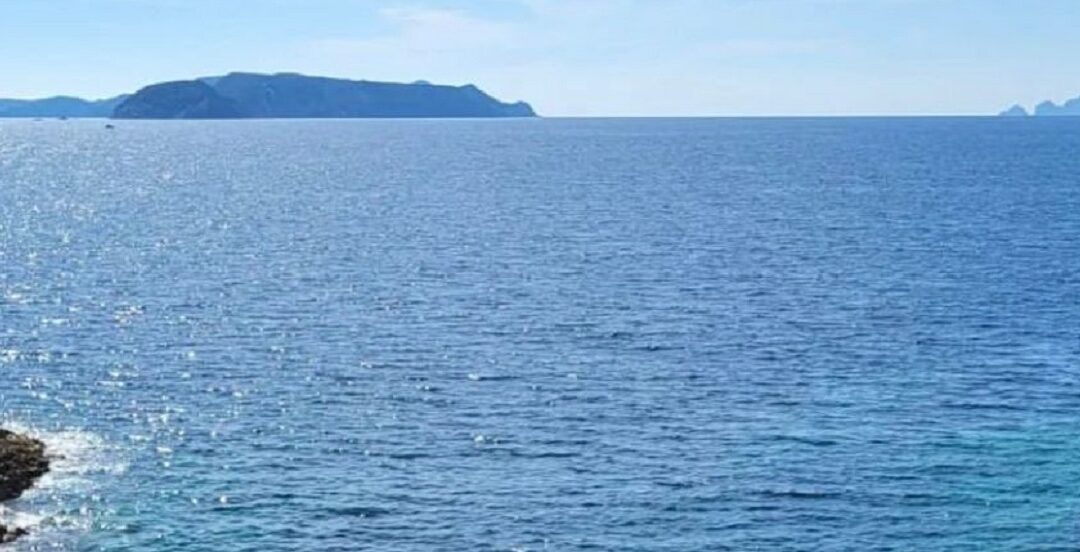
{"points": [[574, 57]]}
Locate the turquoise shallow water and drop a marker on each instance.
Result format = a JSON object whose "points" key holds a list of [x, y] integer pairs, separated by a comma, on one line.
{"points": [[639, 335]]}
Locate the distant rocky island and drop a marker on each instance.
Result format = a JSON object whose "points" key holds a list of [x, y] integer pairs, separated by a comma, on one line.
{"points": [[278, 96], [1070, 108], [60, 106]]}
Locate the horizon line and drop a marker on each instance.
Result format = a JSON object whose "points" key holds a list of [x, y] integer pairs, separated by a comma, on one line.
{"points": [[571, 117]]}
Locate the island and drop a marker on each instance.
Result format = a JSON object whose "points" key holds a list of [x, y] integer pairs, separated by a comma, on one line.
{"points": [[1071, 108], [59, 106], [293, 96], [22, 463], [177, 100], [279, 96], [1014, 111]]}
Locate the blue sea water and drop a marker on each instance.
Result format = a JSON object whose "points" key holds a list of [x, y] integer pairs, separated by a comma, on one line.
{"points": [[632, 335]]}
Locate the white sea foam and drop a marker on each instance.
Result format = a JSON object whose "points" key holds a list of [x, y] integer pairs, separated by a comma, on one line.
{"points": [[61, 504]]}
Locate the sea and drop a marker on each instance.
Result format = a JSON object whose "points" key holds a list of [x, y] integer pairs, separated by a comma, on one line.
{"points": [[652, 335]]}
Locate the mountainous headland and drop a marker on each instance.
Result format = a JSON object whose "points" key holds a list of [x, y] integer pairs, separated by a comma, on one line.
{"points": [[177, 100], [278, 96]]}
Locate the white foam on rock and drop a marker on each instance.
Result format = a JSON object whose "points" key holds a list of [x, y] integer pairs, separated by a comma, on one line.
{"points": [[62, 501]]}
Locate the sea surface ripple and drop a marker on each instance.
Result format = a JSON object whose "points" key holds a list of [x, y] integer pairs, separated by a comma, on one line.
{"points": [[633, 335]]}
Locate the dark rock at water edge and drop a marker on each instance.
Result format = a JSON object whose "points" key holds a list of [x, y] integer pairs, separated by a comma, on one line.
{"points": [[22, 463], [7, 536]]}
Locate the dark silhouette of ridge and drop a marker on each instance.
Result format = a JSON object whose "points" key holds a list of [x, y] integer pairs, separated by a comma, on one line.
{"points": [[281, 95], [290, 96], [60, 106], [177, 100]]}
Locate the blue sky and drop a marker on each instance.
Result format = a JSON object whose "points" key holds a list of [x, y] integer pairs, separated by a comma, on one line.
{"points": [[574, 57]]}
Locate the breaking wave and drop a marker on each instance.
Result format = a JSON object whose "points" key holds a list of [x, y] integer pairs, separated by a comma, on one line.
{"points": [[66, 503]]}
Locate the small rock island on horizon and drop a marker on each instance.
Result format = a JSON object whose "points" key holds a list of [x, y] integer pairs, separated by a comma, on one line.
{"points": [[1071, 108], [279, 96]]}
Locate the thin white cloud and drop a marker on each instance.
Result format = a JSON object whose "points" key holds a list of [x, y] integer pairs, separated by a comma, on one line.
{"points": [[421, 31], [605, 57]]}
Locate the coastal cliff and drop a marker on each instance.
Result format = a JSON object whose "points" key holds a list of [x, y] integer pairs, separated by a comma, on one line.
{"points": [[177, 100]]}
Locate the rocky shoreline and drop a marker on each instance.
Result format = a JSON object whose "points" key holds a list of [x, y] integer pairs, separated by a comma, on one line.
{"points": [[22, 463]]}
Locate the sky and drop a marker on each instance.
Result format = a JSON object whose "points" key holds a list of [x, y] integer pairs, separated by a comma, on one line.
{"points": [[574, 57]]}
